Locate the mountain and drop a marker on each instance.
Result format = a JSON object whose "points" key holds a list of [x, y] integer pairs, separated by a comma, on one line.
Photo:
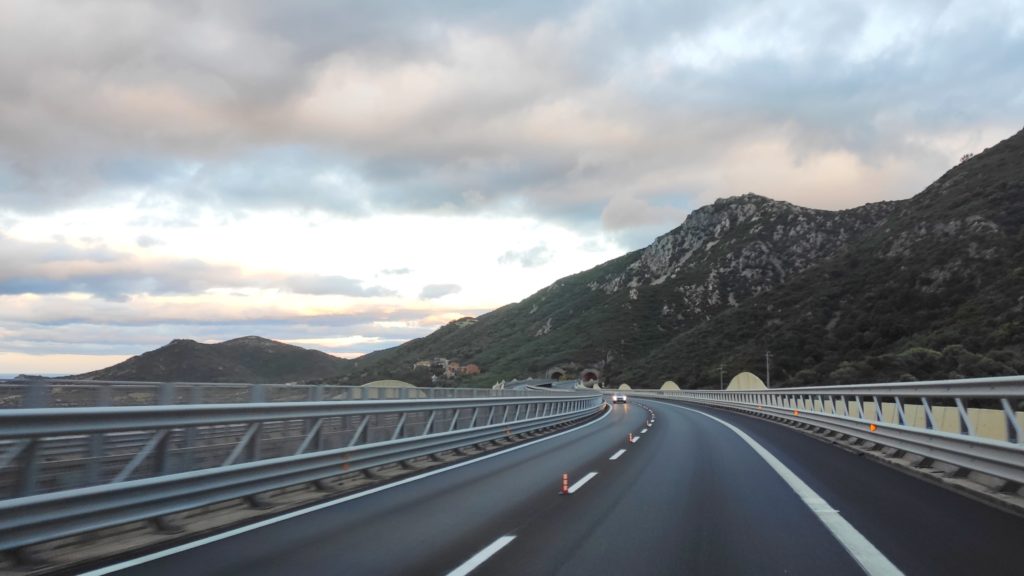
{"points": [[248, 359], [928, 287], [935, 291]]}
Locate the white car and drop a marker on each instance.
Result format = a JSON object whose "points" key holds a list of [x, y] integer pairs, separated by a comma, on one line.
{"points": [[619, 398]]}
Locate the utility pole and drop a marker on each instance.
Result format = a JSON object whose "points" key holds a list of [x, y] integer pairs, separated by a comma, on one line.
{"points": [[721, 377], [768, 368]]}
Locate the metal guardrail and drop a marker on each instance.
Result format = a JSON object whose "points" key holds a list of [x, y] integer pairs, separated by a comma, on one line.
{"points": [[26, 393], [311, 441], [973, 424]]}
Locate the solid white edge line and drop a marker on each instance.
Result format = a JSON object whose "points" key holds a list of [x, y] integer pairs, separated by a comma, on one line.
{"points": [[579, 483], [482, 556], [617, 454], [860, 548], [250, 527]]}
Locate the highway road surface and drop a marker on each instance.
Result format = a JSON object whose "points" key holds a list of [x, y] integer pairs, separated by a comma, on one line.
{"points": [[699, 492]]}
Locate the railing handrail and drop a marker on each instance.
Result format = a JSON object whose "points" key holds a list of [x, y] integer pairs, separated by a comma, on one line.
{"points": [[990, 387], [28, 393], [34, 422]]}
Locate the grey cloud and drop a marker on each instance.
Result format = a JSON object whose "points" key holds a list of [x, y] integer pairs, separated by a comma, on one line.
{"points": [[325, 285], [536, 256], [434, 291], [396, 271], [551, 109], [147, 241], [58, 268]]}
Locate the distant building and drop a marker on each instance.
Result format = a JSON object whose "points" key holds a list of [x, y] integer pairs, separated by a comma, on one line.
{"points": [[452, 369], [439, 367], [445, 368]]}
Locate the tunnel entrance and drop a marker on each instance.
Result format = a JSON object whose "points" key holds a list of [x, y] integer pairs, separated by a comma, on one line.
{"points": [[556, 373]]}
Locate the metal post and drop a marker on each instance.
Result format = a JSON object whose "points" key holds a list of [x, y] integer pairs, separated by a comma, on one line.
{"points": [[768, 368], [1013, 431], [359, 430], [94, 469], [28, 475], [900, 412], [35, 395], [162, 454], [929, 420], [430, 422], [398, 427], [966, 426], [257, 393]]}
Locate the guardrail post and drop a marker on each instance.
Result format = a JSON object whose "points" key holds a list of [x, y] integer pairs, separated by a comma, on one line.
{"points": [[312, 426], [166, 393], [398, 427], [257, 393], [35, 395], [94, 467], [256, 444], [430, 423], [929, 420], [1013, 432], [162, 450], [966, 428], [28, 474], [878, 409], [360, 430]]}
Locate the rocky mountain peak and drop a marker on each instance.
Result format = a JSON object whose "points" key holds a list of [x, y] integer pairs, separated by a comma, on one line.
{"points": [[736, 248]]}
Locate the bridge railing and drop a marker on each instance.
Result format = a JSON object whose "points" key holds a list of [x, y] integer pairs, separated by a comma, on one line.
{"points": [[71, 393], [972, 424], [69, 470]]}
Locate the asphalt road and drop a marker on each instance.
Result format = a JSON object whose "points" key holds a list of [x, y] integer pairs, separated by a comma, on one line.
{"points": [[691, 496]]}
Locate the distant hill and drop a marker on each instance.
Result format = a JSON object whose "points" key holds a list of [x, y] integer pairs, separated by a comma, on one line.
{"points": [[249, 359], [929, 287]]}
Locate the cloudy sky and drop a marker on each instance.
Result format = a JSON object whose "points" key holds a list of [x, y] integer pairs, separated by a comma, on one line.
{"points": [[349, 175]]}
